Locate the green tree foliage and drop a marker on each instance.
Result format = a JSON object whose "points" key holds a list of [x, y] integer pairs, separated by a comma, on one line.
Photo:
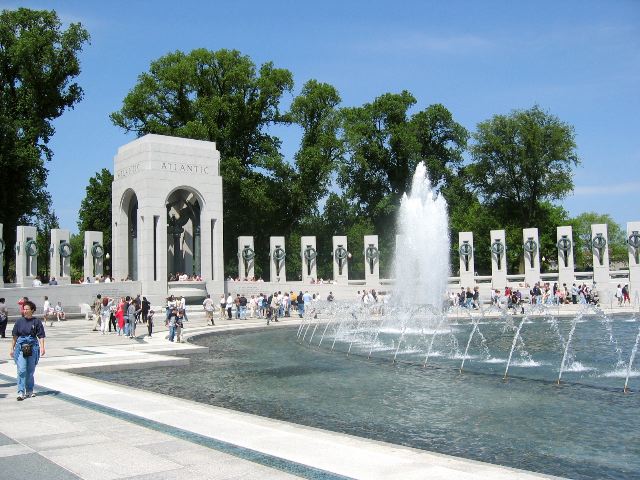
{"points": [[385, 144], [38, 62], [617, 239], [45, 222], [77, 257], [520, 164], [221, 97], [315, 111], [520, 161], [95, 211]]}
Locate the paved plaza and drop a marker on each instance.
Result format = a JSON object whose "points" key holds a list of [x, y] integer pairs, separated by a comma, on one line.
{"points": [[79, 427]]}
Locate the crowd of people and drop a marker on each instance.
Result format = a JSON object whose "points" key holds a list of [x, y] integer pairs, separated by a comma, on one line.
{"points": [[121, 316], [269, 307], [183, 277], [539, 294]]}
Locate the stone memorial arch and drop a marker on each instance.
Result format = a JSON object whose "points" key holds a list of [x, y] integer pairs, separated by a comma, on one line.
{"points": [[167, 213]]}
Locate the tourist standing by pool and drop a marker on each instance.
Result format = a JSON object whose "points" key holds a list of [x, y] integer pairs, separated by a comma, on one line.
{"points": [[223, 306], [146, 306], [120, 316], [105, 314], [171, 323], [208, 309], [300, 299], [229, 305], [26, 348], [131, 313]]}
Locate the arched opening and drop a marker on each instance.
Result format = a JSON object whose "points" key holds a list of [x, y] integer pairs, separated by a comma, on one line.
{"points": [[183, 233], [130, 209]]}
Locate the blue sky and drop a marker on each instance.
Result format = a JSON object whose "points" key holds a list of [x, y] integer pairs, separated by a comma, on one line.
{"points": [[580, 60]]}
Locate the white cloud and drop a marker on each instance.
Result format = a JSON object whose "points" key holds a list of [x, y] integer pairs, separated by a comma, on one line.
{"points": [[609, 190]]}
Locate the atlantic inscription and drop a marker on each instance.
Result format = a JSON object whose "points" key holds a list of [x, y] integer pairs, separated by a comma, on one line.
{"points": [[164, 166]]}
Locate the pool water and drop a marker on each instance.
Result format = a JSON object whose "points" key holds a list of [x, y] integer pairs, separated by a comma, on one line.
{"points": [[584, 428]]}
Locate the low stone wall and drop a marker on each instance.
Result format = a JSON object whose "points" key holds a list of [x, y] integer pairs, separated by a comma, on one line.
{"points": [[71, 296]]}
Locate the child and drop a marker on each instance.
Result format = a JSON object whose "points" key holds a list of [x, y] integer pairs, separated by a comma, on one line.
{"points": [[179, 325], [150, 322]]}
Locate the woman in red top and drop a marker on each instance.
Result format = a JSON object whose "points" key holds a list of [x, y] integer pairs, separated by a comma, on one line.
{"points": [[120, 316]]}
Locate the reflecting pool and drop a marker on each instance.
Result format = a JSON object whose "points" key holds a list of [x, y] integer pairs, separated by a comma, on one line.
{"points": [[584, 428]]}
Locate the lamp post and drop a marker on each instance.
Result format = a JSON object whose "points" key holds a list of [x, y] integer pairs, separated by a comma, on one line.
{"points": [[106, 263]]}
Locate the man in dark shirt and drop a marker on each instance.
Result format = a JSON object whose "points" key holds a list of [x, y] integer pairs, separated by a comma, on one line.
{"points": [[243, 307]]}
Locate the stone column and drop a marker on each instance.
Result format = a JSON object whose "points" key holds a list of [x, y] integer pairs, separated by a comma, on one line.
{"points": [[531, 245], [633, 241], [212, 249], [371, 260], [120, 243], [498, 260], [467, 265], [162, 249], [277, 256], [60, 256], [566, 266], [149, 241], [309, 256], [340, 260], [3, 246], [600, 251], [246, 258], [93, 255], [26, 255]]}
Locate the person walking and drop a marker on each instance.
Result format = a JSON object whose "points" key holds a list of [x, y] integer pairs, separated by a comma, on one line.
{"points": [[146, 306], [46, 310], [223, 306], [229, 305], [97, 309], [208, 308], [27, 347], [4, 318]]}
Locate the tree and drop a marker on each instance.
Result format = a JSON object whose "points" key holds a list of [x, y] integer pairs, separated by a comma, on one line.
{"points": [[46, 221], [384, 146], [38, 62], [520, 161], [315, 111], [617, 239], [95, 210], [221, 97]]}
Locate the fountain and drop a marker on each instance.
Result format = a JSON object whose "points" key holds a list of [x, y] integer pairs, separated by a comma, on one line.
{"points": [[395, 374], [421, 271]]}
